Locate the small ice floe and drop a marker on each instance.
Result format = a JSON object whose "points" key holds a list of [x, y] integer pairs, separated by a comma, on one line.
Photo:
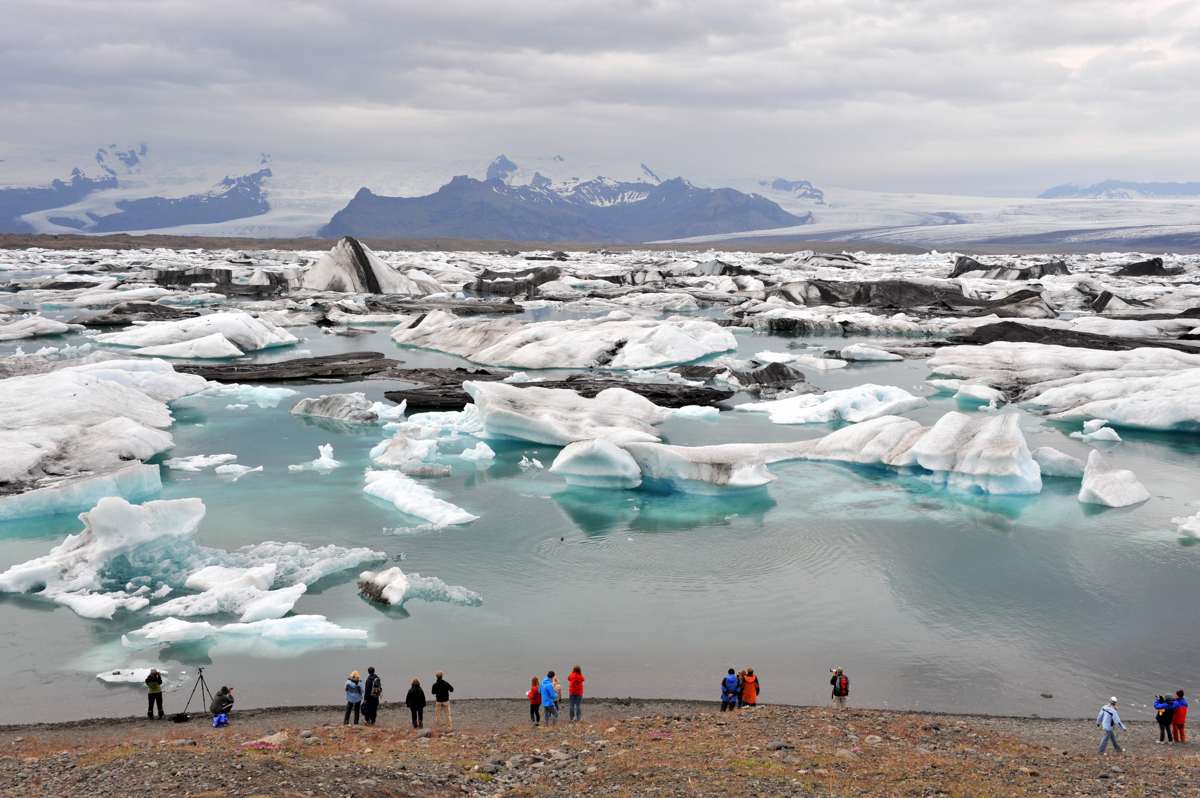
{"points": [[324, 462], [1096, 430], [411, 497], [864, 353], [394, 587], [700, 412], [235, 471], [531, 463], [198, 462], [479, 453]]}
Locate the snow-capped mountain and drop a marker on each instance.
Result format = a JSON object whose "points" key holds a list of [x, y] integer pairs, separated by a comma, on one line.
{"points": [[549, 203], [1122, 190]]}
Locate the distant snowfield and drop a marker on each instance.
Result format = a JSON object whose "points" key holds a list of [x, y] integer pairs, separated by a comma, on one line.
{"points": [[304, 196]]}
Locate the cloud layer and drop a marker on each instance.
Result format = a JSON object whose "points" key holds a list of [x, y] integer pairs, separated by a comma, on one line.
{"points": [[929, 95]]}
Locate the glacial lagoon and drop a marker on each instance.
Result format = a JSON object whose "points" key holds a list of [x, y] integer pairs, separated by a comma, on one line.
{"points": [[930, 598]]}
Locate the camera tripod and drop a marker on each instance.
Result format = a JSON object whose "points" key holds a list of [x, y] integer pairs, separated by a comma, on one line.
{"points": [[206, 695]]}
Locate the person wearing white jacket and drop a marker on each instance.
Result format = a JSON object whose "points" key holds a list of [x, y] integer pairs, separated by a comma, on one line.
{"points": [[1109, 719]]}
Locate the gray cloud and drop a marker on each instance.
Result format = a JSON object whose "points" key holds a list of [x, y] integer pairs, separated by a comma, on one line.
{"points": [[940, 95]]}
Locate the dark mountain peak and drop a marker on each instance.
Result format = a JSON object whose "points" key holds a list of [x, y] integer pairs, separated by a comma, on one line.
{"points": [[800, 189], [501, 168], [648, 172]]}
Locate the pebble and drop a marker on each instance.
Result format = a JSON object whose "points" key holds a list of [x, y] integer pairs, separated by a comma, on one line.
{"points": [[873, 739], [779, 745]]}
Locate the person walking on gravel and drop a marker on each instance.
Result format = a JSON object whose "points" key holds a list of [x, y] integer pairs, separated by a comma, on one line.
{"points": [[415, 700], [372, 690], [549, 699], [154, 694], [354, 697], [841, 687], [441, 701], [1109, 719], [575, 680], [1179, 717]]}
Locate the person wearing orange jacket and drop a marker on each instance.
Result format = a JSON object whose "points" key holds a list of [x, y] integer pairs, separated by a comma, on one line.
{"points": [[575, 680], [751, 687]]}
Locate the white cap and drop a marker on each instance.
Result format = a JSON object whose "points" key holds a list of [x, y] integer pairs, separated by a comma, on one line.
{"points": [[1112, 700]]}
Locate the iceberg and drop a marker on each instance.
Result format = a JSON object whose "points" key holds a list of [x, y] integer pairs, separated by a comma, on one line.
{"points": [[1189, 526], [969, 392], [198, 462], [136, 676], [249, 602], [864, 353], [1163, 401], [860, 403], [1100, 434], [530, 463], [34, 327], [400, 450], [700, 469], [262, 395], [1105, 484], [349, 408], [701, 412], [411, 497], [237, 328], [394, 587], [53, 496], [480, 452], [236, 471], [448, 424], [324, 462], [597, 464], [1057, 464], [139, 537], [557, 416], [616, 341], [295, 629], [351, 267], [209, 347]]}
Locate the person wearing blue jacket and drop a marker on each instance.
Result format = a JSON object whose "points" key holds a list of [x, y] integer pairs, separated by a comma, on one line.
{"points": [[354, 697], [549, 699], [729, 691], [1109, 719]]}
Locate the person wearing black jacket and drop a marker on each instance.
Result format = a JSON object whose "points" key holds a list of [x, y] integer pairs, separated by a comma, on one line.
{"points": [[840, 683], [372, 689], [416, 703], [222, 703], [441, 694], [154, 694]]}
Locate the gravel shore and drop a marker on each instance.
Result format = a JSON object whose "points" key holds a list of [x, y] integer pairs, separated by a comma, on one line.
{"points": [[622, 747]]}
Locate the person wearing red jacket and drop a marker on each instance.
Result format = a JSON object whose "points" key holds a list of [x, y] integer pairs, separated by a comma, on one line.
{"points": [[535, 702], [1179, 718], [575, 693]]}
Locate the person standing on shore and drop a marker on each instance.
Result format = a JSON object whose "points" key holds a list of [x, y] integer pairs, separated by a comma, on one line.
{"points": [[222, 703], [1109, 719], [154, 694], [372, 690], [841, 687], [751, 687], [549, 699], [1164, 708], [415, 700], [354, 697], [1179, 717], [575, 680], [741, 680], [557, 692], [535, 701], [729, 691], [441, 701]]}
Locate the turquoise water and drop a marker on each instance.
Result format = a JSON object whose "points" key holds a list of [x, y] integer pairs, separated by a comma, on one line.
{"points": [[930, 599]]}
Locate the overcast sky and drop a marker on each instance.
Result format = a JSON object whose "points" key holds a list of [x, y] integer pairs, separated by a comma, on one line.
{"points": [[962, 96]]}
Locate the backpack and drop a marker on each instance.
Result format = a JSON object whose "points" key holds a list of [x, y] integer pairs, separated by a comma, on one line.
{"points": [[843, 685]]}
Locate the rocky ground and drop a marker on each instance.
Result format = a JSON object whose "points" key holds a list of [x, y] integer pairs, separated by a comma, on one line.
{"points": [[622, 748]]}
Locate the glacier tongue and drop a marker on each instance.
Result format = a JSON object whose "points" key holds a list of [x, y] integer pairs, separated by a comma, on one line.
{"points": [[557, 416]]}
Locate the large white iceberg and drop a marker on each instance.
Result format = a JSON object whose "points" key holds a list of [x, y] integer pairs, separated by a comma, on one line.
{"points": [[616, 341], [860, 403], [295, 629], [55, 495], [209, 347], [1104, 483], [557, 416], [394, 587], [33, 327], [701, 469], [237, 328], [413, 498]]}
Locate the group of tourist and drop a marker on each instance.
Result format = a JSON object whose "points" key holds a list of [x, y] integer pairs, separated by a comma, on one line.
{"points": [[546, 695], [740, 689], [1169, 712], [365, 696]]}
